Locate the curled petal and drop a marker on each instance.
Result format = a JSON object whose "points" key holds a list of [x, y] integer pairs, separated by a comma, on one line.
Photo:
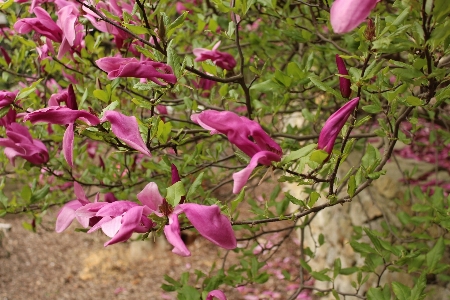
{"points": [[127, 129], [151, 197], [130, 221], [68, 145], [172, 232], [66, 215], [334, 124], [346, 15], [211, 224], [61, 115], [131, 67], [240, 178]]}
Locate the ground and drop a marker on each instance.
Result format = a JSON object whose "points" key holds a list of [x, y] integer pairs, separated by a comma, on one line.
{"points": [[75, 265]]}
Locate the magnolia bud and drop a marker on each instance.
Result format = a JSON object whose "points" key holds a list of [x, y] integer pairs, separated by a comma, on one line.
{"points": [[344, 83]]}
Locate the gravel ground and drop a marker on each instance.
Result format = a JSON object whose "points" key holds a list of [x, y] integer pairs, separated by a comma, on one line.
{"points": [[74, 265]]}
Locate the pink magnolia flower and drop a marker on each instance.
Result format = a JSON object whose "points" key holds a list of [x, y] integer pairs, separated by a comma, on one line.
{"points": [[68, 212], [344, 83], [118, 219], [346, 15], [20, 143], [7, 98], [222, 59], [127, 129], [42, 24], [64, 116], [208, 220], [334, 124], [262, 150], [131, 67]]}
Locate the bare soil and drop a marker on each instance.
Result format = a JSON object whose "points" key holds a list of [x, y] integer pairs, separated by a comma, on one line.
{"points": [[75, 265]]}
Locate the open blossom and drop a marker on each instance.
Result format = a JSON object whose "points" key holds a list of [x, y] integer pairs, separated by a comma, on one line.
{"points": [[334, 124], [118, 219], [42, 24], [262, 150], [221, 59], [346, 15], [20, 143], [68, 212], [131, 67], [344, 83], [208, 220], [63, 115]]}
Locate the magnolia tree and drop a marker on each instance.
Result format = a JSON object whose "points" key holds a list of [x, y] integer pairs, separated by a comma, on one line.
{"points": [[152, 106]]}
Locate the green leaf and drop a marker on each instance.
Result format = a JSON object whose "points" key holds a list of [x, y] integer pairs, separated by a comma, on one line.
{"points": [[176, 24], [348, 271], [413, 101], [320, 276], [295, 200], [305, 266], [4, 111], [313, 197], [419, 287], [175, 61], [195, 185], [319, 156], [6, 4], [112, 106], [372, 109], [318, 82], [40, 194], [302, 152], [26, 193], [175, 192], [337, 267], [238, 200], [188, 292], [164, 130], [401, 291], [435, 255], [136, 29], [101, 95], [28, 90], [362, 248], [351, 189]]}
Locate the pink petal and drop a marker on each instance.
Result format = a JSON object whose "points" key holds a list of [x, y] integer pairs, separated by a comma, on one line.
{"points": [[334, 124], [172, 232], [240, 178], [211, 224], [68, 144], [61, 115], [150, 196], [127, 129], [112, 227], [346, 15], [115, 209], [217, 294], [66, 215], [130, 221]]}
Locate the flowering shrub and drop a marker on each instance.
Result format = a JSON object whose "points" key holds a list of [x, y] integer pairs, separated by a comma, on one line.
{"points": [[125, 98]]}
